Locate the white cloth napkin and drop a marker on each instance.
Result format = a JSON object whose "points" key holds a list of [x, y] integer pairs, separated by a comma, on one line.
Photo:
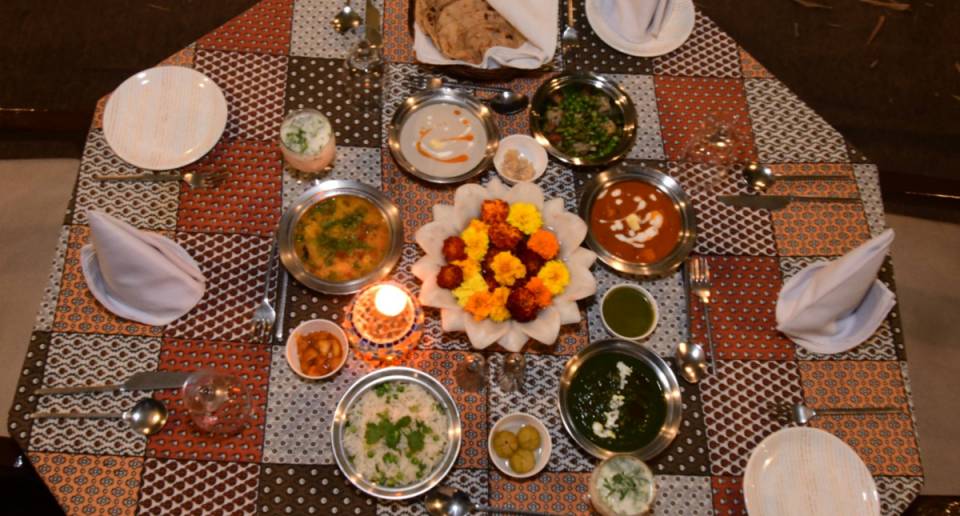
{"points": [[830, 307], [138, 275], [535, 19], [637, 21]]}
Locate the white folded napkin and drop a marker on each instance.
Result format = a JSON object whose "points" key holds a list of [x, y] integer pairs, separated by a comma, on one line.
{"points": [[138, 275], [537, 20], [637, 21], [830, 307]]}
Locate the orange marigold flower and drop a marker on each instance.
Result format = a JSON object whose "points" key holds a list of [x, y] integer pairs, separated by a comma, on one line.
{"points": [[540, 292], [499, 312], [493, 211], [544, 243]]}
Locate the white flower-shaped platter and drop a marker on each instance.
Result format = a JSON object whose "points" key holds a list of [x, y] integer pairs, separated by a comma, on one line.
{"points": [[511, 335]]}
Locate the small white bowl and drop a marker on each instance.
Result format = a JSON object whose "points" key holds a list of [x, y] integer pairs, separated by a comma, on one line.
{"points": [[653, 303], [315, 325], [529, 149], [513, 422]]}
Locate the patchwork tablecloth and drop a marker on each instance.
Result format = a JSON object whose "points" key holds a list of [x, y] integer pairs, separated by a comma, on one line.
{"points": [[283, 54]]}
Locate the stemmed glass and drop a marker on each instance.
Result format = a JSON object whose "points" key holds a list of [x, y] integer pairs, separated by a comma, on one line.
{"points": [[366, 64], [218, 402], [715, 141]]}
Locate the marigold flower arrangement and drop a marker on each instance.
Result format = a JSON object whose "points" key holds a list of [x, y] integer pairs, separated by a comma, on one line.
{"points": [[503, 265]]}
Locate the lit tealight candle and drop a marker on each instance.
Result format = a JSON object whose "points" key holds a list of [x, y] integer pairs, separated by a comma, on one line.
{"points": [[390, 300]]}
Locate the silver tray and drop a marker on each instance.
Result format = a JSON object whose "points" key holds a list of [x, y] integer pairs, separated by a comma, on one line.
{"points": [[668, 381], [664, 183], [442, 96], [366, 383], [600, 83], [288, 223]]}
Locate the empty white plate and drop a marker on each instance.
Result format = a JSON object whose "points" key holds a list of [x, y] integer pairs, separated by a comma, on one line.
{"points": [[165, 117], [806, 471], [675, 31]]}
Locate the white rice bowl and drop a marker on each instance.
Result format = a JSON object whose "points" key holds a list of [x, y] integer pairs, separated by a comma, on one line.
{"points": [[395, 434]]}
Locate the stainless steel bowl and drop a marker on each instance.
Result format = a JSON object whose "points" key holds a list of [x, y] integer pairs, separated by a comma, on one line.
{"points": [[324, 190], [668, 381], [599, 83], [664, 183], [442, 96], [366, 383]]}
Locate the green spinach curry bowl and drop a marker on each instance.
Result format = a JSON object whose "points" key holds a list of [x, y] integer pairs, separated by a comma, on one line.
{"points": [[340, 236], [617, 396], [583, 119]]}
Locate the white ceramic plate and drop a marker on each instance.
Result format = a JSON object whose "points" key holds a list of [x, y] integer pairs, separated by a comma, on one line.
{"points": [[806, 471], [164, 118], [676, 29]]}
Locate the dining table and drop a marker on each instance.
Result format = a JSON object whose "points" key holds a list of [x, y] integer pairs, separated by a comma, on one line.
{"points": [[282, 55]]}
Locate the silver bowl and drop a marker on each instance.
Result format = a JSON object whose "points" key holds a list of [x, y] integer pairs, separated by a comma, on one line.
{"points": [[442, 96], [668, 381], [440, 470], [324, 190], [664, 183], [621, 101]]}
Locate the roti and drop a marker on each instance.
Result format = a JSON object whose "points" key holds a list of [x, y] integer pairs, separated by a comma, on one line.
{"points": [[465, 29]]}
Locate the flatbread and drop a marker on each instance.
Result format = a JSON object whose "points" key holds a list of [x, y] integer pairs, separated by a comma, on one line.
{"points": [[465, 29]]}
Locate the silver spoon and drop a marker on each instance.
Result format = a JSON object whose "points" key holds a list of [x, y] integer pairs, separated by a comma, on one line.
{"points": [[692, 361], [347, 19], [760, 178], [569, 37], [803, 414], [447, 501], [147, 417], [507, 102]]}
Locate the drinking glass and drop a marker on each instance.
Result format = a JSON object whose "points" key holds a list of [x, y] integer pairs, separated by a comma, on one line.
{"points": [[715, 141], [218, 402]]}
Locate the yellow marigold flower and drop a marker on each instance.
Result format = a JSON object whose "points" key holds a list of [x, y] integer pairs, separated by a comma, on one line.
{"points": [[507, 268], [469, 266], [480, 305], [525, 217], [555, 276], [476, 239], [544, 243], [470, 286], [499, 311]]}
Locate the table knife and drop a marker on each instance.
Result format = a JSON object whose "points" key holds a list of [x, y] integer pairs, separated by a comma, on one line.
{"points": [[372, 25], [147, 381], [775, 202]]}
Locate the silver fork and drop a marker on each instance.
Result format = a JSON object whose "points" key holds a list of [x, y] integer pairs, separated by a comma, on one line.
{"points": [[700, 286], [569, 37], [193, 179], [264, 315]]}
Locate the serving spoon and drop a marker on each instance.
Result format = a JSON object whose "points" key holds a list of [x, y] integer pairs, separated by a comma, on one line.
{"points": [[692, 361], [147, 417], [504, 101], [447, 501]]}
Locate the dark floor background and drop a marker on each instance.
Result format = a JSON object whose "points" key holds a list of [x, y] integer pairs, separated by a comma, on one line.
{"points": [[897, 99]]}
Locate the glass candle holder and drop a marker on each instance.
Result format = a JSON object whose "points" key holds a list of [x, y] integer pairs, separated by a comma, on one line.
{"points": [[384, 323]]}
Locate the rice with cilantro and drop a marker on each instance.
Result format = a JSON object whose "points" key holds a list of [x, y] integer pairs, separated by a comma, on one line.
{"points": [[395, 434]]}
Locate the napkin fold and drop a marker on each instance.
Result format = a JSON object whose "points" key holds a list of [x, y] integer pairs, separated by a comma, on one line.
{"points": [[138, 275], [537, 20], [637, 21], [830, 307]]}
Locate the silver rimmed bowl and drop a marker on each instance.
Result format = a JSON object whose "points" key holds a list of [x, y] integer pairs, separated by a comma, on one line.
{"points": [[447, 96], [371, 380], [666, 184], [599, 83], [663, 374], [288, 224]]}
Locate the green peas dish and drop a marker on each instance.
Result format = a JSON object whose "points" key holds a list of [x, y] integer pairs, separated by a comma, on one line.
{"points": [[582, 122]]}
